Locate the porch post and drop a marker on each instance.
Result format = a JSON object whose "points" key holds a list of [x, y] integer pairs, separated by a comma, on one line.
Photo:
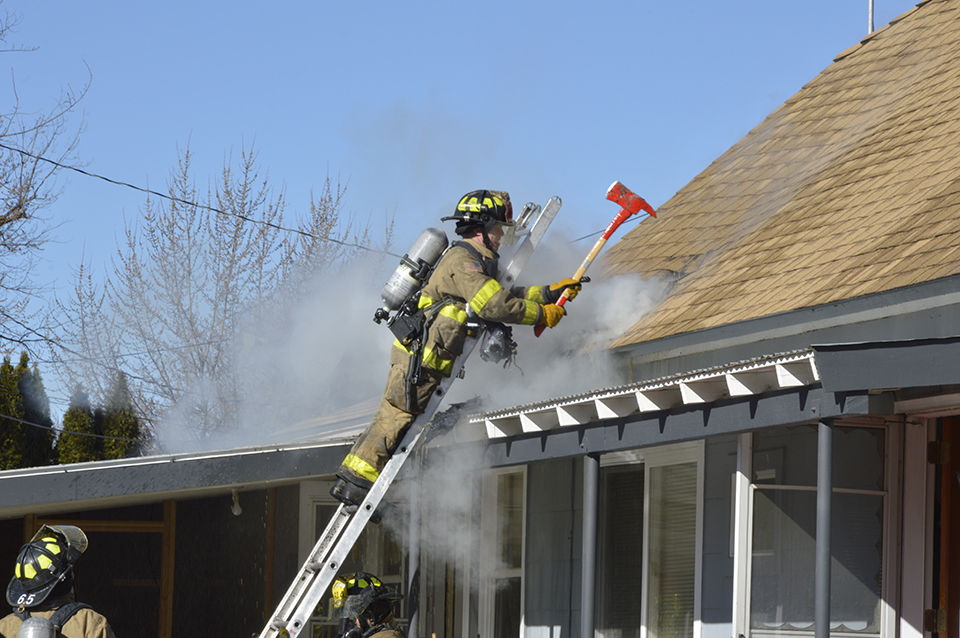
{"points": [[413, 558], [821, 613], [591, 488]]}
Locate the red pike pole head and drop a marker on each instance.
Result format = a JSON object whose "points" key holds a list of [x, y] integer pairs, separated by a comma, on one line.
{"points": [[630, 204]]}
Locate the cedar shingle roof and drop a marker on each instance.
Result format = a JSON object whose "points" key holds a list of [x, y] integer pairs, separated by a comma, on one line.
{"points": [[851, 187]]}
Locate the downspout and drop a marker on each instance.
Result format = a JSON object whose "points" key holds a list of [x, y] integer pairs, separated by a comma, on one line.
{"points": [[821, 610], [413, 554], [588, 577]]}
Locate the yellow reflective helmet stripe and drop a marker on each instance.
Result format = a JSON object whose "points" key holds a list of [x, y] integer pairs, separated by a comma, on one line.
{"points": [[16, 570], [29, 571], [473, 204], [531, 314], [360, 467], [339, 593], [485, 294]]}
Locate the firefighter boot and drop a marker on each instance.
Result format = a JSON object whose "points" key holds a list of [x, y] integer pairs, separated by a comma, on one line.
{"points": [[351, 490]]}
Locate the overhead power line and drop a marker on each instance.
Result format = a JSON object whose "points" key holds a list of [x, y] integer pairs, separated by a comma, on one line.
{"points": [[246, 218], [298, 231], [49, 427]]}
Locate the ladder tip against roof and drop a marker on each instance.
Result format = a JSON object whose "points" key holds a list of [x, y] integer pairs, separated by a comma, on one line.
{"points": [[742, 379]]}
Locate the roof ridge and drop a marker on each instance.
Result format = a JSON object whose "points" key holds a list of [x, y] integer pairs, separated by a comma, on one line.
{"points": [[870, 36]]}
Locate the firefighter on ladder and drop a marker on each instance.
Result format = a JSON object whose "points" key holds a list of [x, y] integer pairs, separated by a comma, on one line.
{"points": [[463, 279]]}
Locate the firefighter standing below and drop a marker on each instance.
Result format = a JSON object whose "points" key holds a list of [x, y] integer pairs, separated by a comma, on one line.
{"points": [[41, 591], [365, 606], [463, 280]]}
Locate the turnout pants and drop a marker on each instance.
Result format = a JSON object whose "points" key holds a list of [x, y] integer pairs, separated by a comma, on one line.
{"points": [[377, 443]]}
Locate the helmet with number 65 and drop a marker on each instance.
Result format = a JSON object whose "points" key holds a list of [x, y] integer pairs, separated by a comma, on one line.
{"points": [[43, 563]]}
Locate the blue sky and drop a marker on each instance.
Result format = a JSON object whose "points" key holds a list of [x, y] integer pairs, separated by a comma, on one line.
{"points": [[412, 104]]}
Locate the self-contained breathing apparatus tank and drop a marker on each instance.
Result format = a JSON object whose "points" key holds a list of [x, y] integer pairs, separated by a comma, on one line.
{"points": [[399, 294], [414, 268], [36, 627]]}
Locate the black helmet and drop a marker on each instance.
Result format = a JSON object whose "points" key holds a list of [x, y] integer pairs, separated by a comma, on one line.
{"points": [[43, 563], [363, 596], [484, 208]]}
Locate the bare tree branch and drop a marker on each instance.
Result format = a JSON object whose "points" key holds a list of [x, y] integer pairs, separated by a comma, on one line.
{"points": [[27, 186]]}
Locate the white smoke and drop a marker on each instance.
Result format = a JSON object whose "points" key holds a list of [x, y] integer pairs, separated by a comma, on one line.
{"points": [[574, 356], [307, 355], [320, 353]]}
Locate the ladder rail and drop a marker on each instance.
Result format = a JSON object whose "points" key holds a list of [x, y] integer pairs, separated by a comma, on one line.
{"points": [[328, 565], [304, 580]]}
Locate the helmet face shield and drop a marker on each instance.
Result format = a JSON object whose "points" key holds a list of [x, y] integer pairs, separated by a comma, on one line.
{"points": [[509, 234], [73, 536], [353, 606]]}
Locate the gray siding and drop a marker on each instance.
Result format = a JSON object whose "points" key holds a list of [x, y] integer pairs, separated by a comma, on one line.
{"points": [[720, 462]]}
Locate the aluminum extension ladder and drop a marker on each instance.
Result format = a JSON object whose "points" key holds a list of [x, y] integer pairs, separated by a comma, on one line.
{"points": [[323, 563]]}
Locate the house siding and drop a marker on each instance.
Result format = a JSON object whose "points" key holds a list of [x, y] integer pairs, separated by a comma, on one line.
{"points": [[720, 462], [219, 558]]}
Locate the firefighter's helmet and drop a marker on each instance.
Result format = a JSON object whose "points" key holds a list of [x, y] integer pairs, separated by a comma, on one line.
{"points": [[43, 563], [364, 597], [482, 208]]}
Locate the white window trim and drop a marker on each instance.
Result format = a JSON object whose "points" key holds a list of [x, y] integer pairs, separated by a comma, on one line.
{"points": [[916, 512], [317, 492], [488, 548], [743, 523], [312, 493], [659, 456]]}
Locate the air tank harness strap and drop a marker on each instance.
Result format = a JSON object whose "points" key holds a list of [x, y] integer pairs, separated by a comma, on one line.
{"points": [[60, 616], [427, 314], [489, 265], [375, 630]]}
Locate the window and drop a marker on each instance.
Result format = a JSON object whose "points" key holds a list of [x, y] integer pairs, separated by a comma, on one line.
{"points": [[672, 551], [783, 532], [501, 602], [649, 543], [620, 552]]}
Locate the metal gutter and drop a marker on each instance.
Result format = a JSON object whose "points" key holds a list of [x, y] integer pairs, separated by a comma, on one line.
{"points": [[148, 479]]}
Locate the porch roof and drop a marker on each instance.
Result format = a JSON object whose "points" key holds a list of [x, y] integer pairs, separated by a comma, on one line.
{"points": [[830, 381]]}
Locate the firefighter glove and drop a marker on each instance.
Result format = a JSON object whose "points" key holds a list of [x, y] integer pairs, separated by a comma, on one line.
{"points": [[552, 313], [553, 291]]}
